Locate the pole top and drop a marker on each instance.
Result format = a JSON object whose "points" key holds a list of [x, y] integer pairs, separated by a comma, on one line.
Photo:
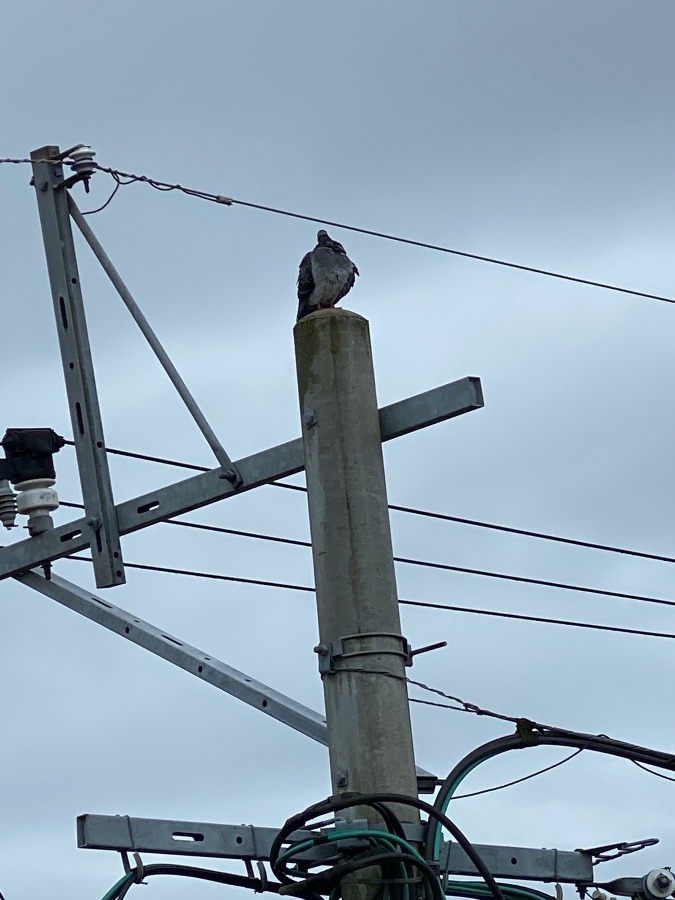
{"points": [[332, 314]]}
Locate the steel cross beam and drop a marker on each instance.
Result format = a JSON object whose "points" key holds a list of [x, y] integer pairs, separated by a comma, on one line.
{"points": [[191, 659], [248, 842], [100, 524], [400, 418]]}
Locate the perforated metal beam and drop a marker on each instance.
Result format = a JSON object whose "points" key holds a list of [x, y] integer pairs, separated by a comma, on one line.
{"points": [[99, 528], [213, 671], [181, 838]]}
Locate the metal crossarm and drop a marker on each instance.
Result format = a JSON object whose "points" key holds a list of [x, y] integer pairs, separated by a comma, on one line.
{"points": [[129, 833], [441, 403]]}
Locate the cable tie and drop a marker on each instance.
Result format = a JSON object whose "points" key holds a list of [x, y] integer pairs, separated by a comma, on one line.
{"points": [[263, 876], [140, 868]]}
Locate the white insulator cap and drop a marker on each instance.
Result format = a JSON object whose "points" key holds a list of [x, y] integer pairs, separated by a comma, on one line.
{"points": [[36, 496], [83, 161], [7, 504]]}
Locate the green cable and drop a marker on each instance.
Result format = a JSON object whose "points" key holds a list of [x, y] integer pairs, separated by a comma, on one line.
{"points": [[382, 837], [478, 889], [116, 888], [450, 794], [385, 837]]}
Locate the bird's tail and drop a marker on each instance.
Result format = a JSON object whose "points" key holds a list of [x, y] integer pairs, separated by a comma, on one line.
{"points": [[304, 309]]}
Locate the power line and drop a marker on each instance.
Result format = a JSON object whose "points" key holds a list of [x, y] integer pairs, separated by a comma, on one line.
{"points": [[118, 185], [230, 201], [463, 609], [544, 536], [651, 772], [442, 566], [549, 621], [478, 523], [146, 457], [238, 533], [555, 765], [214, 576], [540, 582]]}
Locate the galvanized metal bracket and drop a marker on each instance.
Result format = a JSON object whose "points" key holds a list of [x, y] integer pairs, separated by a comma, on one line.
{"points": [[337, 656], [127, 833], [101, 531]]}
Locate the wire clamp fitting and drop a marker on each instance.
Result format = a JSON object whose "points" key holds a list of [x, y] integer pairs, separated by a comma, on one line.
{"points": [[336, 656], [138, 869]]}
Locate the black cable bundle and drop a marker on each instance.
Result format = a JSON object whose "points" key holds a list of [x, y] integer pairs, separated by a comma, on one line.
{"points": [[329, 880]]}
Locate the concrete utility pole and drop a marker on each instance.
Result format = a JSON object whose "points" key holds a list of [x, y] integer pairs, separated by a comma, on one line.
{"points": [[361, 652]]}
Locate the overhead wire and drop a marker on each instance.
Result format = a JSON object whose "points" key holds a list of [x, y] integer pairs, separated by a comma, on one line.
{"points": [[90, 212], [171, 570], [540, 535], [651, 772], [555, 765], [231, 201], [218, 529], [532, 734]]}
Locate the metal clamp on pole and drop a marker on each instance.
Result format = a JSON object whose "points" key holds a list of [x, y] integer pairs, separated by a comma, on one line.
{"points": [[332, 656]]}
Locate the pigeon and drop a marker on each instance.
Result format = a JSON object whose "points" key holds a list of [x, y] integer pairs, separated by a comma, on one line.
{"points": [[326, 275]]}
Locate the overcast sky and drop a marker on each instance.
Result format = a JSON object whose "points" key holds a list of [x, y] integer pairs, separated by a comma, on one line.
{"points": [[530, 131]]}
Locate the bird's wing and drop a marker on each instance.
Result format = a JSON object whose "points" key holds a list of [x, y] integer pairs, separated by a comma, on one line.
{"points": [[305, 278], [349, 284]]}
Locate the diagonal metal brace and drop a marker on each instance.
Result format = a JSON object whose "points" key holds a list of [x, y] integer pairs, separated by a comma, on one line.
{"points": [[229, 469], [226, 678], [185, 656]]}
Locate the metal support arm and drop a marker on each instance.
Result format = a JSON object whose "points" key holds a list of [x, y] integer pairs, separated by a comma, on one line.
{"points": [[100, 531], [435, 405], [251, 842], [152, 339], [226, 678], [181, 654]]}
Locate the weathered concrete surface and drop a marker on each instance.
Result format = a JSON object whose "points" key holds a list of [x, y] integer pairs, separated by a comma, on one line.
{"points": [[367, 712]]}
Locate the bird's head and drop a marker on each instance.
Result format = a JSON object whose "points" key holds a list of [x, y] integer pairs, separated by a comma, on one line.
{"points": [[323, 240]]}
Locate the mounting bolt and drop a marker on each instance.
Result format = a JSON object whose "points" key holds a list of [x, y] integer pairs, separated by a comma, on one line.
{"points": [[659, 884], [321, 650], [309, 419], [341, 779]]}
